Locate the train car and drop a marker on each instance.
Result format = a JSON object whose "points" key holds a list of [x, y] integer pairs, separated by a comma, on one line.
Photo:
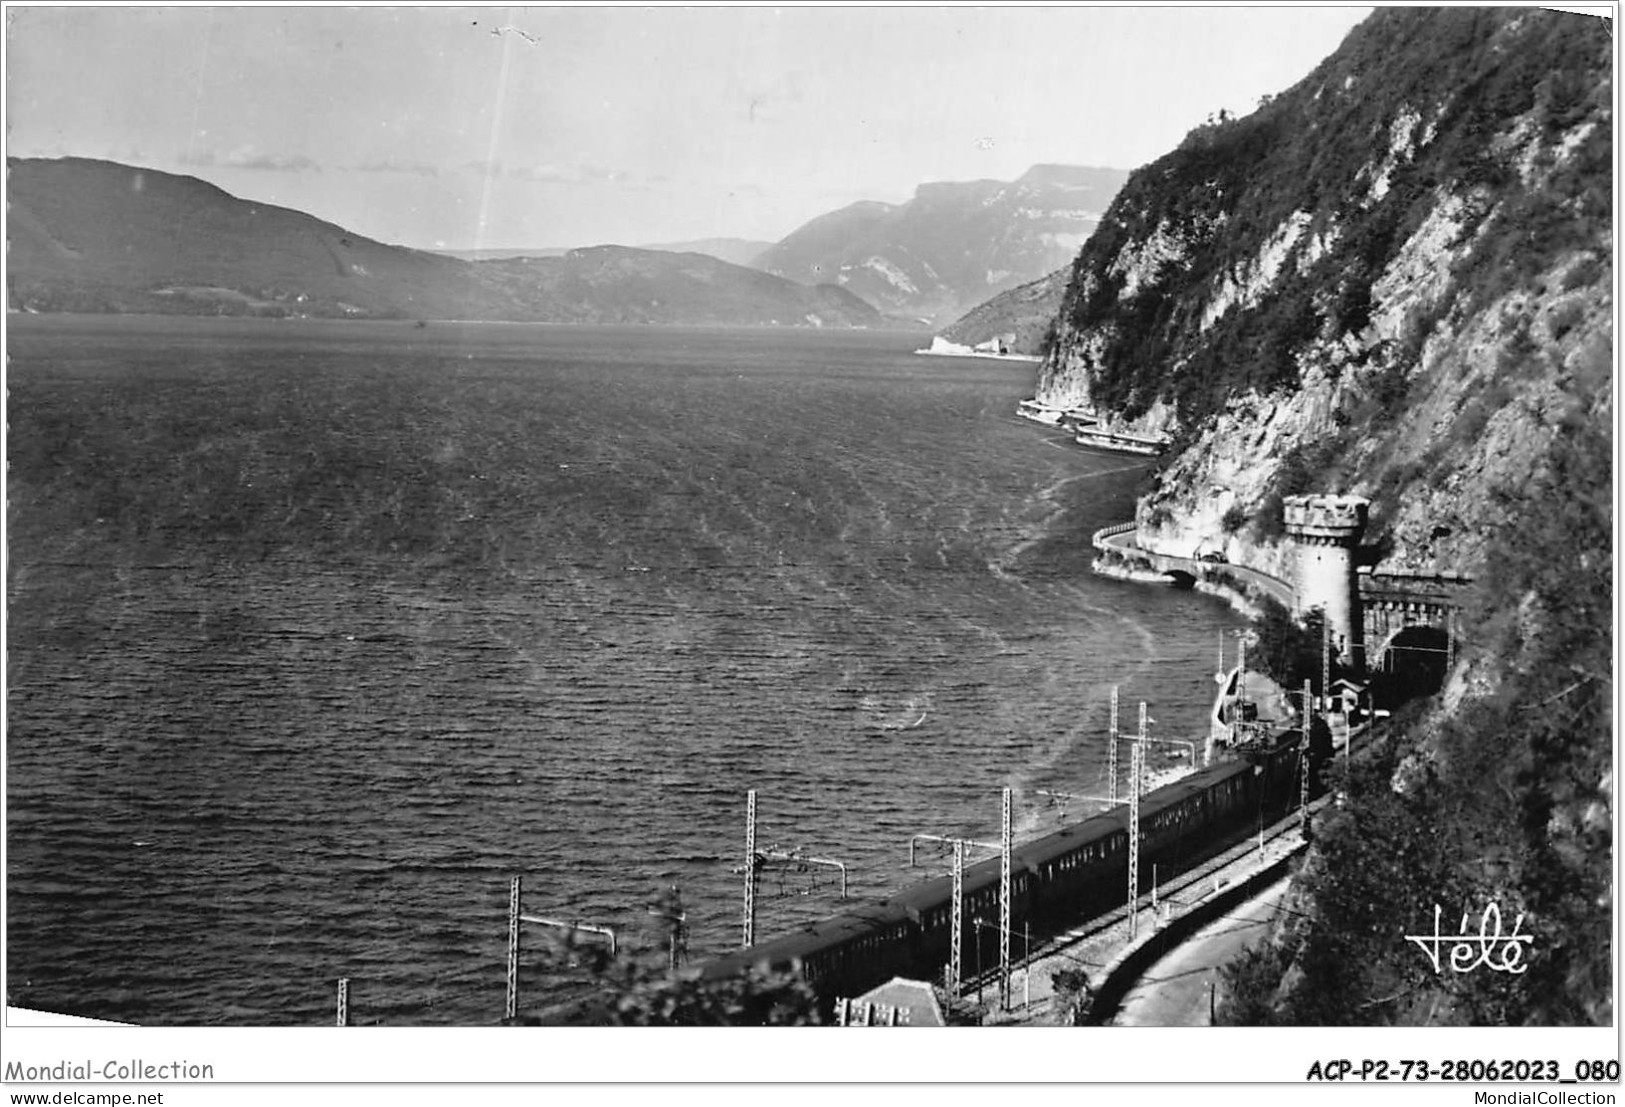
{"points": [[833, 955], [929, 906], [1075, 873]]}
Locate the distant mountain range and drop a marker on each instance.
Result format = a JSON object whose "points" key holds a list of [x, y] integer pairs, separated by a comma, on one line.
{"points": [[97, 236], [738, 251], [734, 251], [619, 284], [953, 245], [501, 253]]}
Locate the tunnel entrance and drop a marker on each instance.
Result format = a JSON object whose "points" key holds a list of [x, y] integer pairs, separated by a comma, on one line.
{"points": [[1412, 662]]}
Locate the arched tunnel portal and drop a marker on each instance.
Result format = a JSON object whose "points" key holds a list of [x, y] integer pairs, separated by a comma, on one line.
{"points": [[1413, 660]]}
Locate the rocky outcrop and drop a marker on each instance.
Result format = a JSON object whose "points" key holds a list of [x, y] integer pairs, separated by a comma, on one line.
{"points": [[1395, 280], [1026, 313], [1397, 288]]}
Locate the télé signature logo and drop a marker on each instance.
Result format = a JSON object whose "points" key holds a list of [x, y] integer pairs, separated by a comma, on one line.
{"points": [[1489, 947]]}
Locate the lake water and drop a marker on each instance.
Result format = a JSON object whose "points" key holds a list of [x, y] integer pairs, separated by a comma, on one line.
{"points": [[319, 632]]}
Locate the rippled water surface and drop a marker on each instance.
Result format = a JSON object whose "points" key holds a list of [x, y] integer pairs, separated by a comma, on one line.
{"points": [[319, 632]]}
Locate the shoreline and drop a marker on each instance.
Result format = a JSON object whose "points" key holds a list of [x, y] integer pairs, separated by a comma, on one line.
{"points": [[1029, 359], [14, 314], [1239, 601]]}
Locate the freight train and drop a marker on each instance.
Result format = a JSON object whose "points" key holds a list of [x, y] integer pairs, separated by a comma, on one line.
{"points": [[1056, 881]]}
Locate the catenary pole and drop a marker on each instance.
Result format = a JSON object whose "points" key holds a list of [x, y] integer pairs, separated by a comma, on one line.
{"points": [[956, 922], [1303, 765], [750, 868], [1136, 767], [1111, 753], [512, 1008], [1004, 905]]}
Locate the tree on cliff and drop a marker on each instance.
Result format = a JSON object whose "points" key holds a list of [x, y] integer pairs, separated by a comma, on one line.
{"points": [[1289, 649]]}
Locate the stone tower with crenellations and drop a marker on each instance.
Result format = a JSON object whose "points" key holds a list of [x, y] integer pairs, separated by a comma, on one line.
{"points": [[1326, 529]]}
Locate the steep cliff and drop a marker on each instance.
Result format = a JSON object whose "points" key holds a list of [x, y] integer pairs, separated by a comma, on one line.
{"points": [[1395, 279]]}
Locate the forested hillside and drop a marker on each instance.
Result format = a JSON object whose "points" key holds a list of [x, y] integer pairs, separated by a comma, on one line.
{"points": [[101, 237], [1025, 314]]}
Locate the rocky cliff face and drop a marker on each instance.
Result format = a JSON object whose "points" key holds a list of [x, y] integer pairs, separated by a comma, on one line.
{"points": [[1394, 280]]}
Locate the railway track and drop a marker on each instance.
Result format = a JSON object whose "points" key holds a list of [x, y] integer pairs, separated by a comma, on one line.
{"points": [[1092, 944]]}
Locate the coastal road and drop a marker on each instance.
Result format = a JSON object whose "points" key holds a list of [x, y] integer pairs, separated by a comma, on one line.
{"points": [[1280, 590], [1183, 973], [1175, 990]]}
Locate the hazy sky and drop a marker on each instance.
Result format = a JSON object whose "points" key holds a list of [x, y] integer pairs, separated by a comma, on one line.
{"points": [[463, 127]]}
